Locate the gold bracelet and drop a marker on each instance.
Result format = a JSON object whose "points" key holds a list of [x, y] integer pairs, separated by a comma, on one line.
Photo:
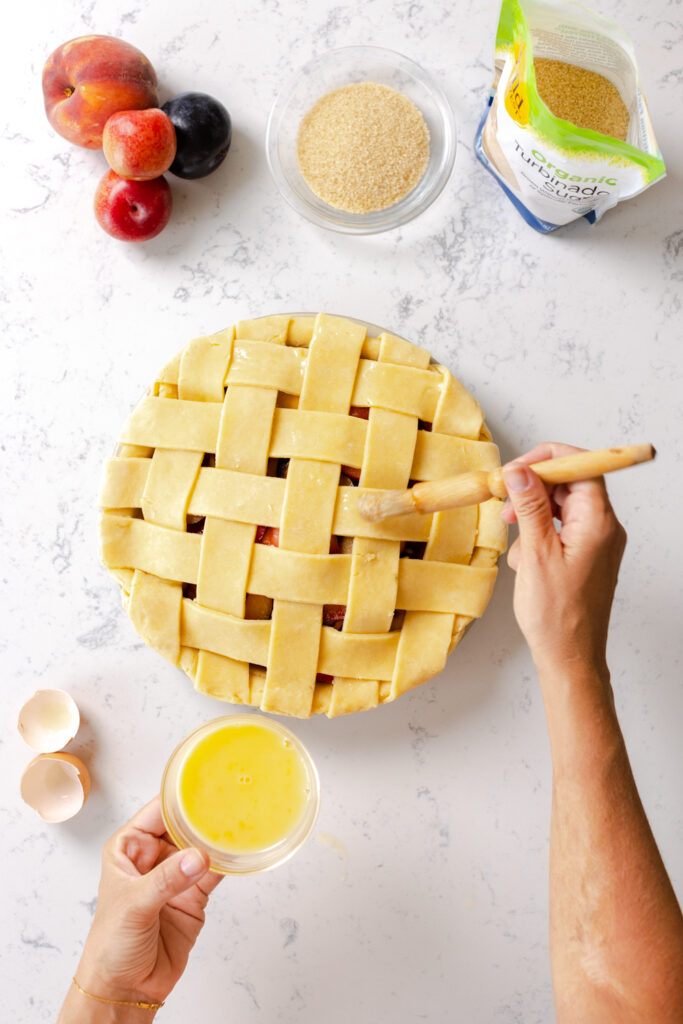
{"points": [[117, 1002]]}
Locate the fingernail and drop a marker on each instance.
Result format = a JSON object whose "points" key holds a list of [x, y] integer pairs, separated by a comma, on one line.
{"points": [[517, 478], [192, 864]]}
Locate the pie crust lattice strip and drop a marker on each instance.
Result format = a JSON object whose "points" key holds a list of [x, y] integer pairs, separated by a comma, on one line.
{"points": [[230, 515]]}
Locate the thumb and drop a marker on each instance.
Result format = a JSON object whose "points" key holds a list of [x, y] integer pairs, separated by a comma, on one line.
{"points": [[173, 876], [532, 506]]}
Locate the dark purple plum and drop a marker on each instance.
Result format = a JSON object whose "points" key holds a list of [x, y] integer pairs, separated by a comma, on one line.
{"points": [[203, 131]]}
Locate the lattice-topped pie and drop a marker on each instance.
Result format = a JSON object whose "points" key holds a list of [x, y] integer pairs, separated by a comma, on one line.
{"points": [[231, 523]]}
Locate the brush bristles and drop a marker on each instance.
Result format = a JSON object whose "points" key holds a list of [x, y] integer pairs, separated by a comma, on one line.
{"points": [[452, 491], [428, 496], [376, 507]]}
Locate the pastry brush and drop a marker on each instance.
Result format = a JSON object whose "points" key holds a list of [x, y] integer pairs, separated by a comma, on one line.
{"points": [[480, 485]]}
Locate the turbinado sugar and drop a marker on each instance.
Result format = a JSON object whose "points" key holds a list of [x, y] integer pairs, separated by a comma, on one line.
{"points": [[583, 97], [363, 147], [555, 131]]}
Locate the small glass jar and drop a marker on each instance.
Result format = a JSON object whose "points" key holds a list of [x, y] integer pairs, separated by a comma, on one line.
{"points": [[235, 861]]}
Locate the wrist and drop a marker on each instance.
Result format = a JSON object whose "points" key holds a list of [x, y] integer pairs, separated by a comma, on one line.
{"points": [[575, 674], [101, 983], [581, 716], [574, 649], [79, 1008]]}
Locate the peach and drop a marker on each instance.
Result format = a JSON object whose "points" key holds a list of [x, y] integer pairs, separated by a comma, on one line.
{"points": [[139, 144], [88, 79]]}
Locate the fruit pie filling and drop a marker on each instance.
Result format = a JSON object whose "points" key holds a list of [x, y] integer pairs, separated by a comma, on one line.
{"points": [[257, 606]]}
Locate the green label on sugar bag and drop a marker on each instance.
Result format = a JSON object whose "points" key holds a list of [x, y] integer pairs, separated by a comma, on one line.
{"points": [[567, 132]]}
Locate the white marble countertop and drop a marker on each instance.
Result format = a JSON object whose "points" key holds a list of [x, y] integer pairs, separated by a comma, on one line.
{"points": [[422, 895]]}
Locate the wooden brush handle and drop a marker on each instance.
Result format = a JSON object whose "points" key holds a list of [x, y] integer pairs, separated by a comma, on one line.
{"points": [[568, 469]]}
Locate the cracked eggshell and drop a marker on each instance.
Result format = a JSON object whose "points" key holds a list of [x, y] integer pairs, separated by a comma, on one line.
{"points": [[49, 720], [56, 786]]}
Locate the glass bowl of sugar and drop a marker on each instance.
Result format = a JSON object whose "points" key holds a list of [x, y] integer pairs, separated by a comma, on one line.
{"points": [[361, 140]]}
